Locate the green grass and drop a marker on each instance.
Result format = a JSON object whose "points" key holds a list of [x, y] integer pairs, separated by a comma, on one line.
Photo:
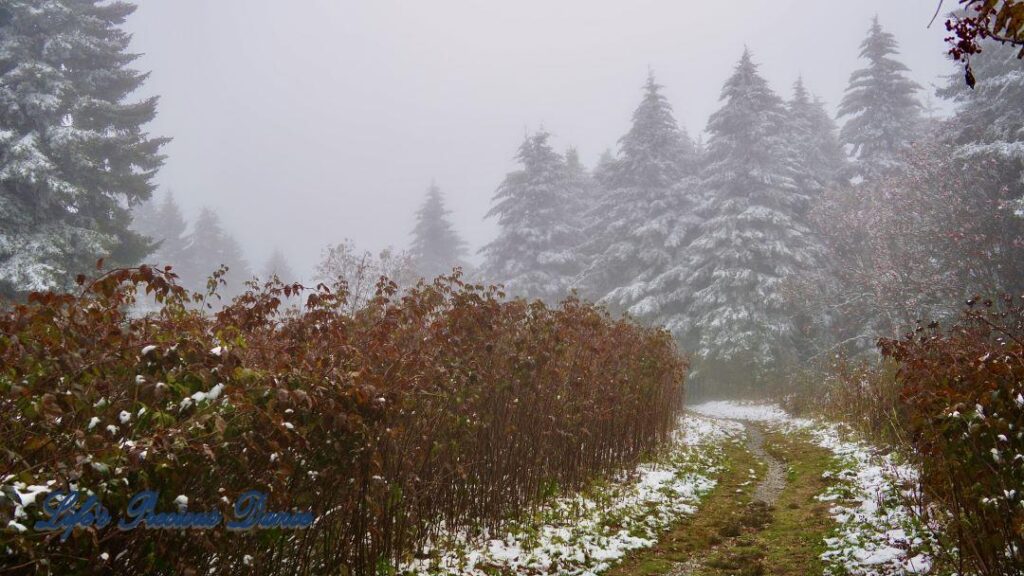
{"points": [[795, 539], [702, 531]]}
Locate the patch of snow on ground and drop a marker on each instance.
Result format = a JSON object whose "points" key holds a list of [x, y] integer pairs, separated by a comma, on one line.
{"points": [[877, 533], [586, 534], [742, 411]]}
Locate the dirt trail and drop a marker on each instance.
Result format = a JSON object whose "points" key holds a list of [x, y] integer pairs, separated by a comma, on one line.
{"points": [[764, 497], [762, 518], [774, 481]]}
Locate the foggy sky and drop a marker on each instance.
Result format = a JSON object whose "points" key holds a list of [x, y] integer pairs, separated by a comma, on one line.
{"points": [[303, 122]]}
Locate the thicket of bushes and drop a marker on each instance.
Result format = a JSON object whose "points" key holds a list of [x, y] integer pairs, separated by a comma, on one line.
{"points": [[953, 398], [443, 407]]}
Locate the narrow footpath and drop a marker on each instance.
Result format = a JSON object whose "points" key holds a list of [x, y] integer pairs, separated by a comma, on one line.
{"points": [[761, 519]]}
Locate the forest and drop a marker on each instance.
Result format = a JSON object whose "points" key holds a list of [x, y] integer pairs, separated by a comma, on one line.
{"points": [[788, 341]]}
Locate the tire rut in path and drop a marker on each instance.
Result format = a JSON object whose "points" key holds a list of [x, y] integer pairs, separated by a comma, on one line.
{"points": [[766, 493], [774, 481]]}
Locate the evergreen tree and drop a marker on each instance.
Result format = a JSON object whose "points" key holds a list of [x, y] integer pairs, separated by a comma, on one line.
{"points": [[208, 247], [819, 157], [700, 150], [73, 155], [436, 246], [580, 178], [880, 101], [277, 265], [163, 223], [583, 192], [989, 121], [534, 254], [644, 214], [655, 153], [987, 134], [819, 164], [603, 170], [754, 235]]}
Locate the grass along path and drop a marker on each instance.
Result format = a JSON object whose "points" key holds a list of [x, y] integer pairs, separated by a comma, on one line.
{"points": [[762, 518], [584, 534], [743, 490]]}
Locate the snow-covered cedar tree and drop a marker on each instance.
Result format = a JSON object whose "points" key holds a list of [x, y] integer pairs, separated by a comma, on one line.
{"points": [[436, 246], [754, 234], [988, 127], [207, 248], [358, 272], [643, 216], [884, 115], [534, 255], [160, 220], [277, 266], [73, 153]]}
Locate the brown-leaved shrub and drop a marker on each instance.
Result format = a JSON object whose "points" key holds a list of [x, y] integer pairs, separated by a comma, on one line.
{"points": [[444, 408], [962, 402]]}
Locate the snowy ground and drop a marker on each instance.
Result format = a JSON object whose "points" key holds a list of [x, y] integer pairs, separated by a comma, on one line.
{"points": [[877, 535], [585, 534]]}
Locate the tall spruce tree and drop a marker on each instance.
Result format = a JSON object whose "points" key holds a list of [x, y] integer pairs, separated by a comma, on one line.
{"points": [[581, 180], [436, 246], [208, 248], [277, 265], [644, 213], [73, 154], [583, 191], [655, 153], [754, 235], [533, 255], [819, 158], [161, 220], [819, 164], [989, 120], [884, 113], [987, 136], [603, 169]]}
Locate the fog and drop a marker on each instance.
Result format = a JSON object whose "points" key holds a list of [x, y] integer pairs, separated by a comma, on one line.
{"points": [[306, 122]]}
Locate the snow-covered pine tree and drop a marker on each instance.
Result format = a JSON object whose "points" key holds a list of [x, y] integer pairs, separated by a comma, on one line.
{"points": [[819, 164], [644, 214], [987, 132], [534, 254], [580, 179], [583, 191], [656, 152], [161, 220], [819, 157], [700, 149], [209, 247], [277, 265], [754, 235], [989, 120], [73, 154], [436, 246], [885, 115], [603, 169]]}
